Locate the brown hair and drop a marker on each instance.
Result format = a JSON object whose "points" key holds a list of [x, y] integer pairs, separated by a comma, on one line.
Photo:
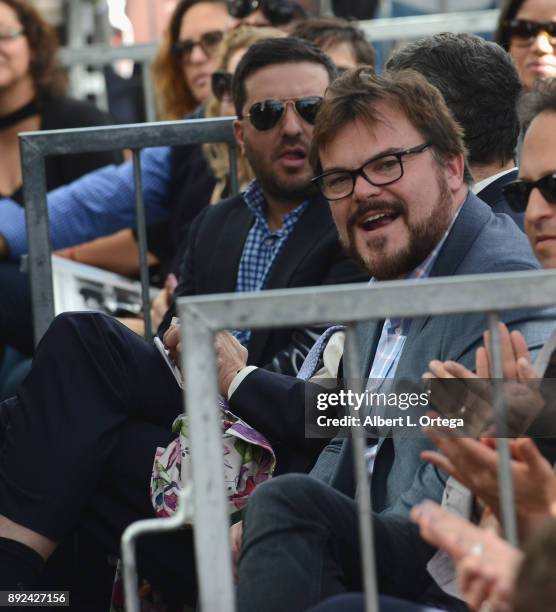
{"points": [[47, 73], [173, 95], [508, 11], [326, 32], [535, 587], [240, 38], [540, 99], [353, 96]]}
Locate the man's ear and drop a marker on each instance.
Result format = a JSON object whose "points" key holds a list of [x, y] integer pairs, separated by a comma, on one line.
{"points": [[455, 167], [238, 133]]}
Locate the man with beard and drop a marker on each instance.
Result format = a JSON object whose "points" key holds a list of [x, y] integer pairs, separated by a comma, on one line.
{"points": [[390, 160], [100, 400]]}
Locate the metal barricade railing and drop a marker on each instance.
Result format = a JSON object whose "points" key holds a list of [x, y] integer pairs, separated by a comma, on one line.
{"points": [[201, 317], [35, 146], [377, 30]]}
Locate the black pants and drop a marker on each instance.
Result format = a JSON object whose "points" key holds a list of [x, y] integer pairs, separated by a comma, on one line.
{"points": [[301, 545], [80, 443], [16, 325]]}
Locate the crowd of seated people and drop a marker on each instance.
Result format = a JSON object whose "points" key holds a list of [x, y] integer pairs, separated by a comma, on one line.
{"points": [[346, 176]]}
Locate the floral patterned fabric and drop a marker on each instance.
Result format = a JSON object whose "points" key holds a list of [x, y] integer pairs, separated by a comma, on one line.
{"points": [[248, 461]]}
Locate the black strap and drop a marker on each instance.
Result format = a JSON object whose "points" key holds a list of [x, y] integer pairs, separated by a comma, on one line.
{"points": [[30, 109]]}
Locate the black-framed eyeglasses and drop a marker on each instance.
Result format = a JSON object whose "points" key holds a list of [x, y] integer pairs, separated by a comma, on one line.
{"points": [[221, 84], [208, 42], [523, 32], [10, 33], [266, 114], [518, 192], [378, 171]]}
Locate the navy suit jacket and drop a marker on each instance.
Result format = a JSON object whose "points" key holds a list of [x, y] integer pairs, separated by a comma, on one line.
{"points": [[493, 195], [311, 256]]}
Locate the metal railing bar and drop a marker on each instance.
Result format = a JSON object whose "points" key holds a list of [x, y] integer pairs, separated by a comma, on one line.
{"points": [[34, 146], [390, 28], [100, 55], [211, 519], [148, 92], [132, 136], [365, 514], [232, 158], [505, 482], [36, 221], [479, 293], [397, 28], [142, 239]]}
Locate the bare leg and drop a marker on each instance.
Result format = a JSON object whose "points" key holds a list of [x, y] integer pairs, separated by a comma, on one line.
{"points": [[12, 531]]}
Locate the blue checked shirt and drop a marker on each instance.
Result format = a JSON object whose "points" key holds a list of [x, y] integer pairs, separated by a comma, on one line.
{"points": [[262, 246]]}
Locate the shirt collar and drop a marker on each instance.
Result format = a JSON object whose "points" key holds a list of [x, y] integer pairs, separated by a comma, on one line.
{"points": [[478, 187], [253, 197], [423, 270]]}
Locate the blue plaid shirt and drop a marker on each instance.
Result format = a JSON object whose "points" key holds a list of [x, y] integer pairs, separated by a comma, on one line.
{"points": [[262, 246]]}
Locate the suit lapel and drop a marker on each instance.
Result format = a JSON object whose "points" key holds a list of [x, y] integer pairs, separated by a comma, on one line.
{"points": [[309, 229], [471, 219], [473, 215], [228, 248], [492, 193]]}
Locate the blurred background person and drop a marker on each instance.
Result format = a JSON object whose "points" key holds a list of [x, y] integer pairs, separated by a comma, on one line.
{"points": [[188, 59], [341, 39], [283, 14], [32, 97], [527, 30], [185, 61], [182, 72]]}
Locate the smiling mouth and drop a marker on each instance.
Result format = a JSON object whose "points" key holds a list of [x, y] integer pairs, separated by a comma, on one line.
{"points": [[371, 223]]}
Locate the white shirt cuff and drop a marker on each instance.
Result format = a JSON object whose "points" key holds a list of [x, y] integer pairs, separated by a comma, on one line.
{"points": [[238, 379]]}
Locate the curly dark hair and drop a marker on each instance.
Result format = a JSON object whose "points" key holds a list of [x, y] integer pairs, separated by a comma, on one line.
{"points": [[47, 73], [328, 31]]}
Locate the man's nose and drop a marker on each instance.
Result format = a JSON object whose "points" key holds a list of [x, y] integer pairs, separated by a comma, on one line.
{"points": [[542, 43], [363, 189], [292, 123], [538, 208]]}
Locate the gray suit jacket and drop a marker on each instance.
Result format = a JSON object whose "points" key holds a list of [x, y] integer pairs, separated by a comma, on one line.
{"points": [[480, 242]]}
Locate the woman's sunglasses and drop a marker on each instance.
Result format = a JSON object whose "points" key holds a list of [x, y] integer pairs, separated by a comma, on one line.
{"points": [[278, 12], [221, 84], [266, 114], [519, 192], [208, 42], [523, 32]]}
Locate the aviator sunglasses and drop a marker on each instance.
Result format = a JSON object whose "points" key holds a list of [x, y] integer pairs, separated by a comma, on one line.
{"points": [[519, 192], [266, 114], [523, 32]]}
